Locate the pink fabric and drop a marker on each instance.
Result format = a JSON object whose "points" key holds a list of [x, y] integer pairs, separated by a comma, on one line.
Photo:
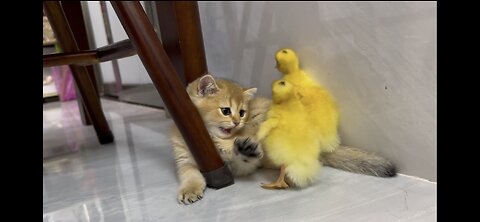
{"points": [[63, 79]]}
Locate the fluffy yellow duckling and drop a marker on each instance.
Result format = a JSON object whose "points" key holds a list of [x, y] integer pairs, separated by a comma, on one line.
{"points": [[288, 139], [320, 106]]}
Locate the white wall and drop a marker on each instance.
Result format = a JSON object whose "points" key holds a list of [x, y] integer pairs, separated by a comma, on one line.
{"points": [[377, 58]]}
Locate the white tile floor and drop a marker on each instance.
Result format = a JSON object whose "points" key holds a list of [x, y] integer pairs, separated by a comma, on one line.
{"points": [[133, 180]]}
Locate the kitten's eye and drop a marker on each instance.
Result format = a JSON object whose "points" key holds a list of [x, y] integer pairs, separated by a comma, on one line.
{"points": [[242, 113], [225, 111]]}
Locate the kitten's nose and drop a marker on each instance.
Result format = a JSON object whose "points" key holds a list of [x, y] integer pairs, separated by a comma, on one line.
{"points": [[236, 123]]}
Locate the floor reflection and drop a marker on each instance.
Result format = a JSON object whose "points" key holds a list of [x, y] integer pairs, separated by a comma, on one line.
{"points": [[95, 183]]}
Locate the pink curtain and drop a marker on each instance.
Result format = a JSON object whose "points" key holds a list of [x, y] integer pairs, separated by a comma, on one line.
{"points": [[63, 79]]}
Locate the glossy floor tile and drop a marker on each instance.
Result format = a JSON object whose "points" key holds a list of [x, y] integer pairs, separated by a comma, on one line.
{"points": [[134, 180]]}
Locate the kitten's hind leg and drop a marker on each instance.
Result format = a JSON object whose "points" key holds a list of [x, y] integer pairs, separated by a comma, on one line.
{"points": [[248, 147], [247, 156]]}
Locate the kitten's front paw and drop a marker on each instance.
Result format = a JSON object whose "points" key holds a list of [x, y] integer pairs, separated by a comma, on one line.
{"points": [[248, 147], [190, 193]]}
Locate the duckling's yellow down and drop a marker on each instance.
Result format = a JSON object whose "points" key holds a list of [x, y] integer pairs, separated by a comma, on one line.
{"points": [[287, 136], [320, 106]]}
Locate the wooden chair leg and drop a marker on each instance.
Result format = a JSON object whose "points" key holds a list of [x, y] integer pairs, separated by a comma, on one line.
{"points": [[182, 38], [66, 39], [74, 15], [170, 87], [191, 39], [167, 20]]}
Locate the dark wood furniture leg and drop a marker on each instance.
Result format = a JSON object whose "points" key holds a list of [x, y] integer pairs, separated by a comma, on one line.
{"points": [[170, 87], [191, 39], [73, 12], [167, 20], [85, 85], [182, 38]]}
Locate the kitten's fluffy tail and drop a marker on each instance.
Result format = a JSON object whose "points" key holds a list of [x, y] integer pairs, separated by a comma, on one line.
{"points": [[359, 161]]}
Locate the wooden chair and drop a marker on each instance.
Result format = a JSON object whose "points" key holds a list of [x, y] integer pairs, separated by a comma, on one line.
{"points": [[180, 60]]}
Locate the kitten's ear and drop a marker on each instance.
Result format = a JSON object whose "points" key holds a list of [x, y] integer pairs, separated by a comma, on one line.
{"points": [[249, 93], [207, 85]]}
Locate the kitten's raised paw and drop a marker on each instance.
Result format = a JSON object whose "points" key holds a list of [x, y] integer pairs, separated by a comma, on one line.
{"points": [[190, 193], [248, 147]]}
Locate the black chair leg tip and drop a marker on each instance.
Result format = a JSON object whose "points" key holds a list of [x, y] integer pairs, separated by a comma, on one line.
{"points": [[219, 178], [106, 139]]}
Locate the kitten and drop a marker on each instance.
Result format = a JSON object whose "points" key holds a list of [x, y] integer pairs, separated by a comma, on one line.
{"points": [[229, 112]]}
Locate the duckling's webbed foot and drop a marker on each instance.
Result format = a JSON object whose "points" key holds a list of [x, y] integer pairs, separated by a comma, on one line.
{"points": [[279, 183]]}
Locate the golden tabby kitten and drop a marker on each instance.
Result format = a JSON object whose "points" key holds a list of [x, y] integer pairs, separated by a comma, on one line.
{"points": [[229, 112], [232, 116]]}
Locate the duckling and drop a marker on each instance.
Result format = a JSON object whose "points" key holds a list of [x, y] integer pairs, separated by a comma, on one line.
{"points": [[288, 139], [320, 105]]}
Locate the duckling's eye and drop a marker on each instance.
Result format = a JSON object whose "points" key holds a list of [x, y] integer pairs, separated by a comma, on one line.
{"points": [[225, 111], [282, 83], [284, 51], [242, 112]]}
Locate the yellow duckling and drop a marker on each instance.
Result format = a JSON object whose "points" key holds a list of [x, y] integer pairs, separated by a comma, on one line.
{"points": [[320, 106], [288, 139]]}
